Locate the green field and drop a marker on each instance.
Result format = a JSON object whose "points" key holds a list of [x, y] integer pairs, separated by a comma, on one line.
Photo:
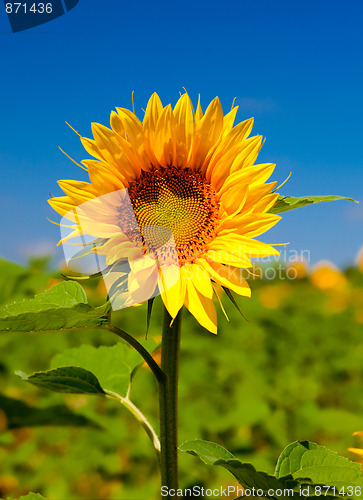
{"points": [[292, 370]]}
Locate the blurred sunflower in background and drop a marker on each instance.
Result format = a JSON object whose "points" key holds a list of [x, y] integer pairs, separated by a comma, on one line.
{"points": [[326, 276], [358, 452], [189, 172]]}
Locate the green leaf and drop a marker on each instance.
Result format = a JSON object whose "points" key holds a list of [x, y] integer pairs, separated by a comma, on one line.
{"points": [[302, 465], [31, 496], [285, 203], [10, 276], [246, 474], [207, 451], [111, 365], [64, 294], [64, 306], [70, 379], [322, 466], [19, 414]]}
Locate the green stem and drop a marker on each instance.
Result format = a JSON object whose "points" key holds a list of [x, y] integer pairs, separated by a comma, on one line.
{"points": [[140, 417], [168, 401], [154, 367]]}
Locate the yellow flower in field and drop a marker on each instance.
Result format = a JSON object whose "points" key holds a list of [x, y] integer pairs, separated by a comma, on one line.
{"points": [[297, 269], [326, 276], [360, 260], [271, 296], [189, 173], [358, 451]]}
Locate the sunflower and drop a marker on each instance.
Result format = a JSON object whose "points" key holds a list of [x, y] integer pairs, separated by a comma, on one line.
{"points": [[358, 451], [181, 184]]}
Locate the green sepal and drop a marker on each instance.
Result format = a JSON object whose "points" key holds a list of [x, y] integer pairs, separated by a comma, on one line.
{"points": [[285, 203], [233, 300], [150, 303]]}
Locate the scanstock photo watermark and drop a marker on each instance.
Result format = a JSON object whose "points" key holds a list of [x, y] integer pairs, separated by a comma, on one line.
{"points": [[227, 491], [29, 14]]}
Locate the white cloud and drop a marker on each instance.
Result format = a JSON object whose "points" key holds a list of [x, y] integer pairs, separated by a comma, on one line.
{"points": [[254, 105], [38, 248], [354, 212]]}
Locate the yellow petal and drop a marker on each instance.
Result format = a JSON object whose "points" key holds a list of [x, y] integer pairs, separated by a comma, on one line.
{"points": [[252, 175], [228, 276], [255, 195], [227, 254], [133, 142], [172, 296], [266, 203], [131, 124], [117, 125], [242, 246], [249, 154], [78, 191], [91, 147], [183, 113], [202, 308], [207, 131], [198, 112], [233, 200], [119, 247], [242, 154], [235, 140], [218, 171], [142, 280], [199, 277], [153, 111], [248, 225], [104, 177], [164, 143], [357, 451], [228, 120], [62, 205], [111, 147]]}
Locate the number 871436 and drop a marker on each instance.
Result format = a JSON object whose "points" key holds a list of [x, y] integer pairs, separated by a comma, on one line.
{"points": [[23, 8], [347, 491]]}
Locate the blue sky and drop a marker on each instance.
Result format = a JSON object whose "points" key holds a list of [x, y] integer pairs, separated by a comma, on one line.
{"points": [[295, 66]]}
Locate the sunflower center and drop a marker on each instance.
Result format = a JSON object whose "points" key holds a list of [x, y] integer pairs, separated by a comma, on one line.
{"points": [[182, 202]]}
